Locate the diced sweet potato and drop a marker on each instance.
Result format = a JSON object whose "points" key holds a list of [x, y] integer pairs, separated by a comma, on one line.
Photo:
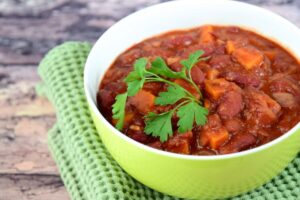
{"points": [[205, 35], [143, 101], [214, 138], [128, 118], [248, 57], [179, 143], [230, 46], [179, 146], [216, 87], [212, 74], [213, 134]]}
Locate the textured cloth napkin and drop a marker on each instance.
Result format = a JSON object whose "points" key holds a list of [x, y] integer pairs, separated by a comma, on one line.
{"points": [[87, 169]]}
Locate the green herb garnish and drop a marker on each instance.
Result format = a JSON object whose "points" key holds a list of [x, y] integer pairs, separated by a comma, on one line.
{"points": [[173, 94], [189, 113], [119, 110], [188, 108], [159, 125]]}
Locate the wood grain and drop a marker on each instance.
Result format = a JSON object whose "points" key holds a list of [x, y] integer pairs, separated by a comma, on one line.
{"points": [[33, 187], [29, 28]]}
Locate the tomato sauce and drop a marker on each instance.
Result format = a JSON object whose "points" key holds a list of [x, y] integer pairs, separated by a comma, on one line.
{"points": [[250, 86]]}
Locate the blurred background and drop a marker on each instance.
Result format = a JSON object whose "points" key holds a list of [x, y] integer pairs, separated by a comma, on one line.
{"points": [[28, 29]]}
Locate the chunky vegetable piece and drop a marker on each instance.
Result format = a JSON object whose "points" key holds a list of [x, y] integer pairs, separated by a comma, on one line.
{"points": [[214, 138], [206, 34], [180, 143], [248, 57], [204, 91], [143, 101], [213, 134], [216, 88], [230, 46]]}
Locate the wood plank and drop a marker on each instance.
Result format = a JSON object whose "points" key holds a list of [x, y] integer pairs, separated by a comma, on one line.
{"points": [[28, 31], [27, 170], [33, 187], [24, 121]]}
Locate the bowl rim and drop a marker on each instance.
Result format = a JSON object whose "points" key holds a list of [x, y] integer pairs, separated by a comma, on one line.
{"points": [[95, 110]]}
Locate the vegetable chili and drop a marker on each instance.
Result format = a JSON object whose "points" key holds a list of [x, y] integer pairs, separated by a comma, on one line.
{"points": [[204, 91]]}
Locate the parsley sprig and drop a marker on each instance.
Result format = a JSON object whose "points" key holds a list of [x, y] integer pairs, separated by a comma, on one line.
{"points": [[187, 107]]}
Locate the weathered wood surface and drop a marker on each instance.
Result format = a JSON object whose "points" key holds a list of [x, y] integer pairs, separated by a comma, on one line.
{"points": [[28, 29]]}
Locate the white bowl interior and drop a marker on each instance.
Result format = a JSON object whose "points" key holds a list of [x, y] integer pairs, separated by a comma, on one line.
{"points": [[180, 15]]}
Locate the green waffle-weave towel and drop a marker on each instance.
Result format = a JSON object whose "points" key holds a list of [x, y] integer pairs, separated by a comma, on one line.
{"points": [[87, 169]]}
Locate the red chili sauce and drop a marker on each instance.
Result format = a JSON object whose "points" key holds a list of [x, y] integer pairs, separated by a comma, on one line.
{"points": [[250, 86]]}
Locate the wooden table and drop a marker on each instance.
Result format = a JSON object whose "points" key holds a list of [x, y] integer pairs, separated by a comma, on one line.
{"points": [[28, 29]]}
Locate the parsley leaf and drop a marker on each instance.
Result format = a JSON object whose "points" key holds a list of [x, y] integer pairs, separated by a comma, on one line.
{"points": [[159, 67], [192, 60], [119, 110], [140, 66], [171, 96], [189, 63], [132, 76], [189, 113], [134, 86], [135, 80], [159, 125]]}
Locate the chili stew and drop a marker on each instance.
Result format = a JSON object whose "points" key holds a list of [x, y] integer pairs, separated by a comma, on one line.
{"points": [[248, 84]]}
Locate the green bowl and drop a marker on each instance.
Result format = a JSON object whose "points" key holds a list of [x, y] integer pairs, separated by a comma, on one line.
{"points": [[199, 177]]}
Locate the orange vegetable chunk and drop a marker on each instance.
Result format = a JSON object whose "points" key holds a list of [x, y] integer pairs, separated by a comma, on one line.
{"points": [[248, 57], [179, 143], [206, 36], [143, 101], [216, 87], [212, 74], [214, 138], [230, 47], [128, 118]]}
